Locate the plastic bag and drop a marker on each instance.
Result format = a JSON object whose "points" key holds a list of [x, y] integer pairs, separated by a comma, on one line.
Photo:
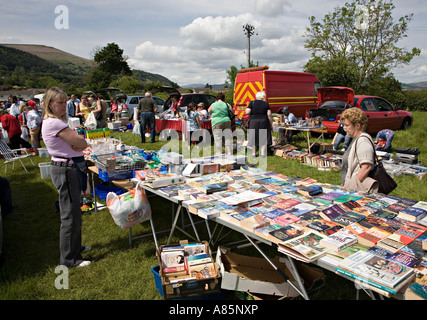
{"points": [[129, 209], [90, 122], [25, 133], [5, 136], [136, 128]]}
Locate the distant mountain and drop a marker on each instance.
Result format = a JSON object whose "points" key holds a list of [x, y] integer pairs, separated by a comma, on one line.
{"points": [[415, 86], [199, 85]]}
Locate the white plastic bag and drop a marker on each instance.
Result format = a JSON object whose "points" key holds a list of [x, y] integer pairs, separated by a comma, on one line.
{"points": [[136, 128], [5, 136], [25, 133], [128, 211], [90, 122]]}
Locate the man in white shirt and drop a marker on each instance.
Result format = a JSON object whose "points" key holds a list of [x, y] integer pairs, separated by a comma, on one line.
{"points": [[14, 109]]}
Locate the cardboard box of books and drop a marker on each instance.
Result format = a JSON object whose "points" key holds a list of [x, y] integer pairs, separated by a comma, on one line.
{"points": [[256, 275], [188, 269]]}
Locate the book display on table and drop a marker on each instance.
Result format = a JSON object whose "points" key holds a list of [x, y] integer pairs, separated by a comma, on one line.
{"points": [[364, 233]]}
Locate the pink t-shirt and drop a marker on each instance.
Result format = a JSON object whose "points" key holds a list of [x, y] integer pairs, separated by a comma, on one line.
{"points": [[55, 145]]}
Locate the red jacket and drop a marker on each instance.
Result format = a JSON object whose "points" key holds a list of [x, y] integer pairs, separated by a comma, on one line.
{"points": [[11, 125]]}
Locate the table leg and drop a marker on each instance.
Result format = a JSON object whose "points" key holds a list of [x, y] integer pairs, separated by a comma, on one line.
{"points": [[301, 291]]}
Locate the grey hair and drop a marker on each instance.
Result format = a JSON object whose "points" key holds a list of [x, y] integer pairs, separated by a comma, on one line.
{"points": [[260, 95]]}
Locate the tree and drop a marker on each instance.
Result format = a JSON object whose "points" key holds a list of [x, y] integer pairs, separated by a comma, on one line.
{"points": [[357, 44], [111, 65]]}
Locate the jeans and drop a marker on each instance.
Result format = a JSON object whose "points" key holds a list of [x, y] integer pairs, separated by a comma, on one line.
{"points": [[148, 117], [347, 140]]}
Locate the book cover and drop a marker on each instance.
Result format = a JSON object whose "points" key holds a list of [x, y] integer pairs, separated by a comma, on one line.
{"points": [[213, 187], [305, 247], [412, 214], [348, 251], [421, 205], [351, 204], [273, 214], [321, 225], [172, 261], [403, 258], [310, 190], [300, 208], [209, 213], [330, 196], [286, 233], [197, 259], [346, 198], [332, 212], [255, 222], [376, 269], [202, 271], [348, 217], [356, 228], [266, 231], [381, 252], [409, 232], [285, 219], [338, 240], [286, 204], [194, 248]]}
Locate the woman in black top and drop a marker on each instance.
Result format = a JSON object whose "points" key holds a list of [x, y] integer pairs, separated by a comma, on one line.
{"points": [[260, 125]]}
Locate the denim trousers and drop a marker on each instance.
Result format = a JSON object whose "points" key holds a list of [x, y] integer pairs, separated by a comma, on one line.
{"points": [[150, 119]]}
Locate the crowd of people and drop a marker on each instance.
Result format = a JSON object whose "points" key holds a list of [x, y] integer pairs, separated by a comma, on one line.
{"points": [[69, 169]]}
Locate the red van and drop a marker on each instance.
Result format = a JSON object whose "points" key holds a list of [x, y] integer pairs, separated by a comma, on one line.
{"points": [[297, 90]]}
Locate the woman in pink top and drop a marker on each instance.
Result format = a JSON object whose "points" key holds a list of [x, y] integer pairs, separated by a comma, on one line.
{"points": [[68, 173]]}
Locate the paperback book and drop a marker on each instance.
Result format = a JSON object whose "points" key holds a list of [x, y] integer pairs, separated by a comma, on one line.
{"points": [[339, 240], [305, 247]]}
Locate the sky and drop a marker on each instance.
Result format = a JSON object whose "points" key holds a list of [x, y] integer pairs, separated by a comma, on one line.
{"points": [[192, 41]]}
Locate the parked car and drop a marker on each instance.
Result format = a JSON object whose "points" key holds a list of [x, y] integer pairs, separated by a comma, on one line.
{"points": [[332, 101], [133, 100], [185, 99], [130, 100]]}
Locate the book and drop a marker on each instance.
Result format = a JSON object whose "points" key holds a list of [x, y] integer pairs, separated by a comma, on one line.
{"points": [[376, 270], [147, 174], [347, 218], [348, 251], [286, 233], [209, 213], [243, 197], [213, 187], [346, 198], [421, 205], [371, 236], [194, 248], [285, 219], [413, 214], [391, 243], [172, 260], [305, 248], [310, 190], [301, 208], [417, 290], [255, 222], [381, 252], [332, 212], [202, 270], [265, 232], [409, 232], [196, 259], [339, 240], [403, 258], [321, 225], [286, 204]]}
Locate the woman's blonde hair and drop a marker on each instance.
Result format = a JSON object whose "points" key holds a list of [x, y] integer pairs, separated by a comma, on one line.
{"points": [[355, 115], [51, 94]]}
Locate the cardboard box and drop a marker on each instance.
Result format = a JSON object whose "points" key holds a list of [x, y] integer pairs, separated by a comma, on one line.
{"points": [[175, 285], [256, 275], [326, 146], [114, 125]]}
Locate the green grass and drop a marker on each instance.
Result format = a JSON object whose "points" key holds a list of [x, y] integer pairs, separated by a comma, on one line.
{"points": [[118, 271]]}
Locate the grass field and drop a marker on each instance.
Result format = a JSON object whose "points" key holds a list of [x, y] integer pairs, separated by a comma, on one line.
{"points": [[120, 272]]}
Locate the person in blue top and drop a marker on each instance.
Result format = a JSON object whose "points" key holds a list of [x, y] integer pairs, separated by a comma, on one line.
{"points": [[383, 140], [289, 119], [192, 121], [71, 107]]}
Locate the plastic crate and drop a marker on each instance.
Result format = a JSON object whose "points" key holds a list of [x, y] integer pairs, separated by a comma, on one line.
{"points": [[45, 169], [43, 152], [116, 175], [157, 280], [102, 191]]}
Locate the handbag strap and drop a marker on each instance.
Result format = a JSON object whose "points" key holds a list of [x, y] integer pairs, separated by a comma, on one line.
{"points": [[377, 161]]}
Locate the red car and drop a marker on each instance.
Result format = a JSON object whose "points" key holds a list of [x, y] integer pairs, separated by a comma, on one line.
{"points": [[332, 101]]}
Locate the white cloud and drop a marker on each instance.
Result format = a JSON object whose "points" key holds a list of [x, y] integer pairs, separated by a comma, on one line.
{"points": [[271, 8]]}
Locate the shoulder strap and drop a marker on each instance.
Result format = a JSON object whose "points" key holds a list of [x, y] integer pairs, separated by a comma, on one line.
{"points": [[373, 146]]}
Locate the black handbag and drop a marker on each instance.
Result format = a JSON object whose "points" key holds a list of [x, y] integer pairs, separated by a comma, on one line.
{"points": [[386, 183], [231, 114]]}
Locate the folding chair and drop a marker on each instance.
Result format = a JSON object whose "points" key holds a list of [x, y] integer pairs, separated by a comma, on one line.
{"points": [[11, 155]]}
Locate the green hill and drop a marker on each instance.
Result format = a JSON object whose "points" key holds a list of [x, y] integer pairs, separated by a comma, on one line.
{"points": [[30, 65]]}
